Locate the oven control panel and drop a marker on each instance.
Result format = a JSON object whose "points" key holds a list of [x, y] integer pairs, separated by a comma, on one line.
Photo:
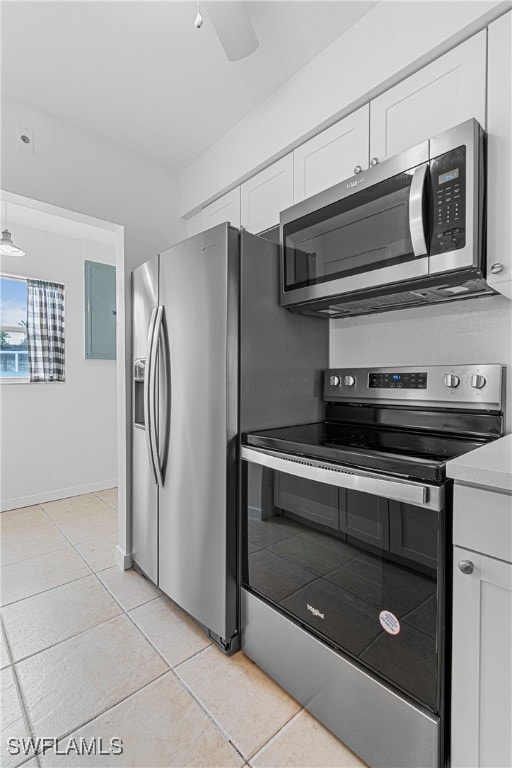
{"points": [[464, 386], [397, 380]]}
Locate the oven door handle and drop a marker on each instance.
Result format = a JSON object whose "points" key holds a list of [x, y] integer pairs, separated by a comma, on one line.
{"points": [[345, 477], [416, 208]]}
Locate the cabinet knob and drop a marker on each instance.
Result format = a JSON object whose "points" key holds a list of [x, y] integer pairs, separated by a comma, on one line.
{"points": [[497, 268], [466, 566], [374, 161], [357, 169]]}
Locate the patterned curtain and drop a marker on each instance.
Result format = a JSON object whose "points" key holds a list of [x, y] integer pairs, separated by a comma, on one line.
{"points": [[45, 330]]}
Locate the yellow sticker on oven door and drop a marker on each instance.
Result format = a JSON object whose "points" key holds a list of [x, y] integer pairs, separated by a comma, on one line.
{"points": [[389, 622]]}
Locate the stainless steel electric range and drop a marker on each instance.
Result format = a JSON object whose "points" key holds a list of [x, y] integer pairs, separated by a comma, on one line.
{"points": [[346, 546]]}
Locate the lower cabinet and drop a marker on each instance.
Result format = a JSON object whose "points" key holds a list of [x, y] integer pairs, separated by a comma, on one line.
{"points": [[481, 661]]}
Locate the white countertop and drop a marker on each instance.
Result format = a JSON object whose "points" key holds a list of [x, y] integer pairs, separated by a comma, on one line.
{"points": [[489, 466]]}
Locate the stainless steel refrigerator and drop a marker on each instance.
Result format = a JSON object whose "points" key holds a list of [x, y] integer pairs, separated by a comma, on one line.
{"points": [[214, 355]]}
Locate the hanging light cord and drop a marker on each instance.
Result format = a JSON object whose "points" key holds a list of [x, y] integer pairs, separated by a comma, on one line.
{"points": [[198, 22]]}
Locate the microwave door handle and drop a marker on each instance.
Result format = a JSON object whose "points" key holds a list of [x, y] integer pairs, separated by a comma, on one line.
{"points": [[148, 388], [416, 208], [153, 409]]}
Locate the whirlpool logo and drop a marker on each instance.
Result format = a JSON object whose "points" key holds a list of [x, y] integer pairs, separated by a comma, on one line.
{"points": [[355, 182], [315, 611]]}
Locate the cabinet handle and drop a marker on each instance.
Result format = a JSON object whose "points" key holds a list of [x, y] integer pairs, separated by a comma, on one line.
{"points": [[357, 169], [497, 268], [374, 161], [466, 566]]}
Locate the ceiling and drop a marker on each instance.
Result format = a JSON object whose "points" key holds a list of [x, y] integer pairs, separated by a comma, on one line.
{"points": [[139, 74]]}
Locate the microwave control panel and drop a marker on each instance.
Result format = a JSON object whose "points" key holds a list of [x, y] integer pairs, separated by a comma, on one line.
{"points": [[448, 190]]}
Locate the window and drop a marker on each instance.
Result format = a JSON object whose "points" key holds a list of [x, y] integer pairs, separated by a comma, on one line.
{"points": [[31, 330], [13, 329]]}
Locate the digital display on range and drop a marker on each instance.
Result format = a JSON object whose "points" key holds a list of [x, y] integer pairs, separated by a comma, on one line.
{"points": [[449, 176], [416, 380]]}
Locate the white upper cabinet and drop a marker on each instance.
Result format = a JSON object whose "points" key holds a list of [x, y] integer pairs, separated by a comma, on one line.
{"points": [[194, 225], [499, 156], [444, 93], [266, 194], [225, 208], [332, 156]]}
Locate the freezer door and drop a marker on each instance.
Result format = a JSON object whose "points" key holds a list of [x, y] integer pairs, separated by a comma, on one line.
{"points": [[197, 524], [144, 488]]}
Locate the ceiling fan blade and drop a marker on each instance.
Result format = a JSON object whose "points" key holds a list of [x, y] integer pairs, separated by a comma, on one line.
{"points": [[234, 28]]}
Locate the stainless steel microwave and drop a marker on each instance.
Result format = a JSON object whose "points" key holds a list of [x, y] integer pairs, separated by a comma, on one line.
{"points": [[406, 232]]}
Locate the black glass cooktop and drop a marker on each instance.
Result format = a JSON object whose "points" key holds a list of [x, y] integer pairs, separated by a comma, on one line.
{"points": [[408, 453]]}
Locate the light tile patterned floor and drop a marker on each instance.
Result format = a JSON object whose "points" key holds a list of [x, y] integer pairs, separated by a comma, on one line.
{"points": [[89, 652]]}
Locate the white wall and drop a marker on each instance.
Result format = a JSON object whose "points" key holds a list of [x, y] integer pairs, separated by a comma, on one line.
{"points": [[78, 171], [60, 438], [375, 52], [472, 331]]}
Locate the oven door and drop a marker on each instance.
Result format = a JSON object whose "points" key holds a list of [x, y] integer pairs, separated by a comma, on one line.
{"points": [[366, 232], [355, 558]]}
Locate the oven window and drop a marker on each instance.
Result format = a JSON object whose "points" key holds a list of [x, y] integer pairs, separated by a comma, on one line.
{"points": [[365, 231], [357, 570]]}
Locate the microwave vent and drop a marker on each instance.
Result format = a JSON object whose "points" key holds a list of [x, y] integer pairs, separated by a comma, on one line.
{"points": [[377, 304], [422, 295]]}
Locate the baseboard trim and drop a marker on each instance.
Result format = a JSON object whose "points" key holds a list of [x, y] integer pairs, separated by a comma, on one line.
{"points": [[123, 560], [61, 493]]}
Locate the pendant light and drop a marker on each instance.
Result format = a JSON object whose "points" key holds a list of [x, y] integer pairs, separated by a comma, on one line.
{"points": [[7, 247]]}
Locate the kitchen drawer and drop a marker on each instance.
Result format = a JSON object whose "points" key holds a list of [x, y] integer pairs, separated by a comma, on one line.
{"points": [[482, 521], [317, 502]]}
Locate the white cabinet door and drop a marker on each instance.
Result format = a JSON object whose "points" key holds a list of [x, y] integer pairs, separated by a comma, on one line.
{"points": [[437, 97], [226, 208], [481, 662], [194, 224], [332, 156], [499, 156], [266, 194]]}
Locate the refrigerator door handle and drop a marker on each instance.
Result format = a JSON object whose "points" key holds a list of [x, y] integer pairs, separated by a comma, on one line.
{"points": [[153, 413], [164, 397], [160, 342], [148, 390]]}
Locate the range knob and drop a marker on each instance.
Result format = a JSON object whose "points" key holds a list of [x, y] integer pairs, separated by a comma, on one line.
{"points": [[451, 381], [349, 381], [477, 381], [334, 381]]}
